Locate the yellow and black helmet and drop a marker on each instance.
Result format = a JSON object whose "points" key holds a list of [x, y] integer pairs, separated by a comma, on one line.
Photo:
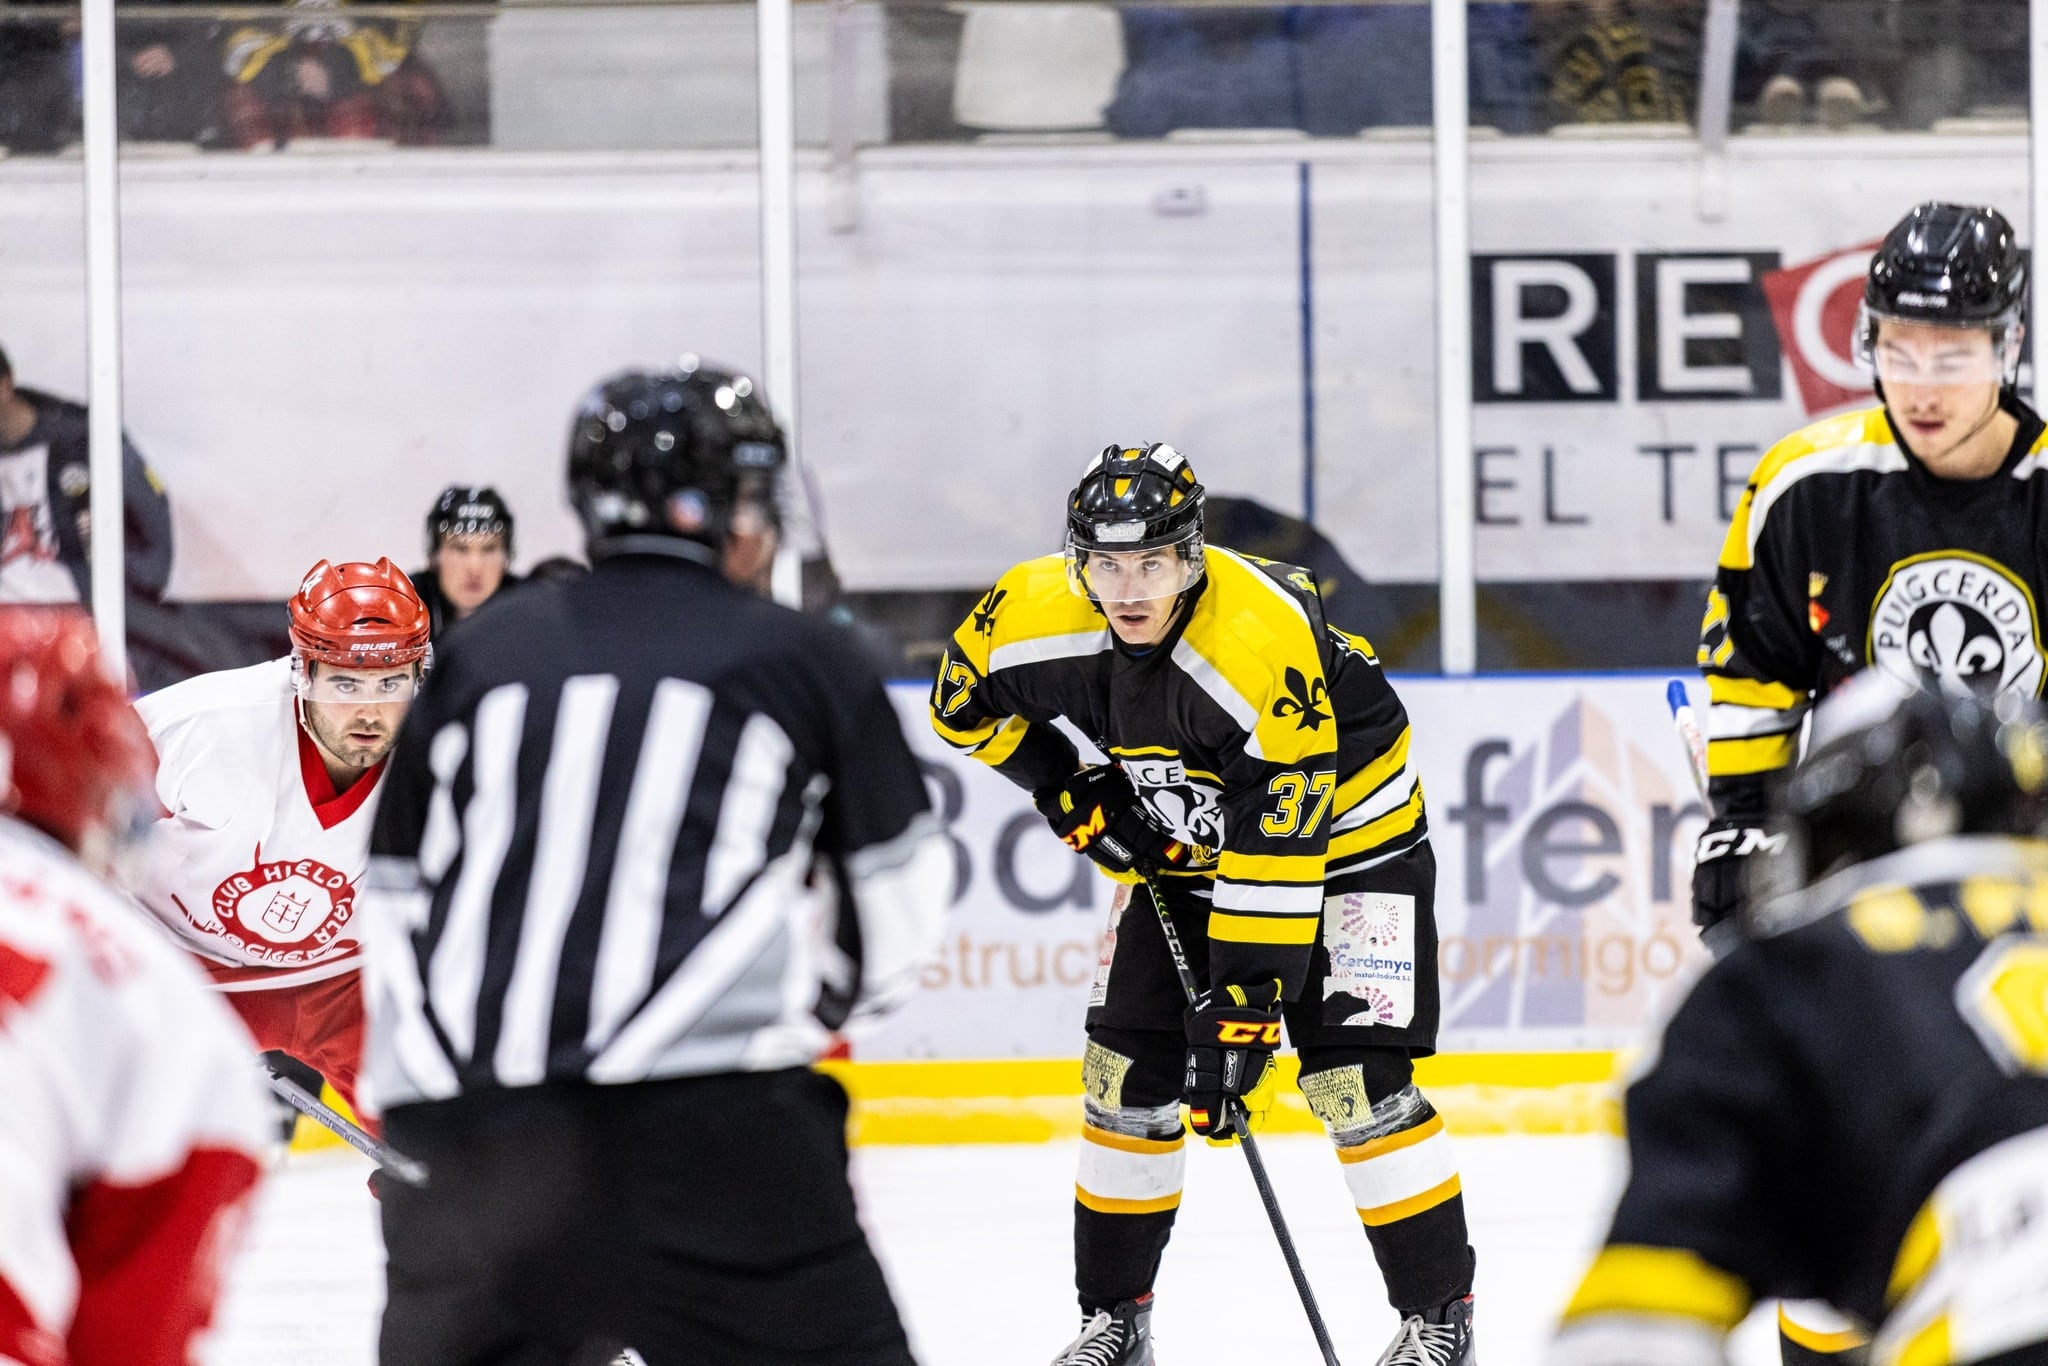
{"points": [[1137, 498]]}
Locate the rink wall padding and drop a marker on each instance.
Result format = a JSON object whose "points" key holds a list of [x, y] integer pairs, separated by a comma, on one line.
{"points": [[1037, 1100], [1563, 816]]}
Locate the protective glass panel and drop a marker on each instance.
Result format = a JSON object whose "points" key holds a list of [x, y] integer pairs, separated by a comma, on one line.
{"points": [[373, 252], [1666, 283], [45, 537]]}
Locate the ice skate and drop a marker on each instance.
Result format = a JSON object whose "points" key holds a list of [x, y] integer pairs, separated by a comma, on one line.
{"points": [[1122, 1337], [1442, 1337]]}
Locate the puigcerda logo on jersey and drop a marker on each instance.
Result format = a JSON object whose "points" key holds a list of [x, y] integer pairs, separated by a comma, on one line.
{"points": [[1305, 700], [1958, 621]]}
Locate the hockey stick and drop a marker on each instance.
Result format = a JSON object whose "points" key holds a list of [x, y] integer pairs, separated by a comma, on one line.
{"points": [[1695, 744], [313, 1108], [1251, 1150]]}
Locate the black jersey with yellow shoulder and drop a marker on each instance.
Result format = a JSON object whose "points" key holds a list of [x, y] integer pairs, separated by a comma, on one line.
{"points": [[1846, 553], [1850, 1107], [1269, 741]]}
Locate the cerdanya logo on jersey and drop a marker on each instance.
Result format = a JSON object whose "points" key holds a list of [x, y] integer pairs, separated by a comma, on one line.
{"points": [[1305, 700], [1958, 621], [286, 912]]}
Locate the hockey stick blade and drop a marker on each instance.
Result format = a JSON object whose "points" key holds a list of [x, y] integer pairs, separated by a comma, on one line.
{"points": [[312, 1107], [1242, 1122]]}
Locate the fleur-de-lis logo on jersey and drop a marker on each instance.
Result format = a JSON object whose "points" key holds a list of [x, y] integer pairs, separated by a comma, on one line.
{"points": [[1304, 700], [985, 611]]}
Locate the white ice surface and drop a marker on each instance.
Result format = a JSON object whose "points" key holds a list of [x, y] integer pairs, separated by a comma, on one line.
{"points": [[977, 1243]]}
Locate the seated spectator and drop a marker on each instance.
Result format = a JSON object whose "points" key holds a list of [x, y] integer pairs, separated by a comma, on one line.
{"points": [[1368, 66], [45, 512], [1203, 68], [1329, 70], [168, 77], [1611, 61], [38, 98], [469, 554], [322, 74]]}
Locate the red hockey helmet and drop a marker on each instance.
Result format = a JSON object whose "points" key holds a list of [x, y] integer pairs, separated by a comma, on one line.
{"points": [[366, 615], [75, 759]]}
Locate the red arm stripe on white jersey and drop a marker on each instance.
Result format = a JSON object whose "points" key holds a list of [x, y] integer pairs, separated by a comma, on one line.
{"points": [[149, 1259], [23, 1341]]}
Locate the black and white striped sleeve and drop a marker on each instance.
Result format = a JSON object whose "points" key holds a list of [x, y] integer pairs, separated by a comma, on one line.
{"points": [[895, 870]]}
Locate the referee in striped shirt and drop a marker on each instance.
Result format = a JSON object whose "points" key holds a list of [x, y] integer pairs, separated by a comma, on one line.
{"points": [[645, 840]]}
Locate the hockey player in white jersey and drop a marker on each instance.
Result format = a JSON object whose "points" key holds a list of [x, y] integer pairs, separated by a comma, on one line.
{"points": [[268, 779], [130, 1119]]}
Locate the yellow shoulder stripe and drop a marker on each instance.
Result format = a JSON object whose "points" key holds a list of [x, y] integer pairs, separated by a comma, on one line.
{"points": [[1752, 692], [1631, 1279], [1755, 754], [1865, 426]]}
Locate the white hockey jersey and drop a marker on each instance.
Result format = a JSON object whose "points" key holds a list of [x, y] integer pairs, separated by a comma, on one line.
{"points": [[132, 1128], [257, 860]]}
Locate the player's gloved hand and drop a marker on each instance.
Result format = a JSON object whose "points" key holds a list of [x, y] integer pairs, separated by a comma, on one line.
{"points": [[1232, 1032], [1720, 875], [1097, 812]]}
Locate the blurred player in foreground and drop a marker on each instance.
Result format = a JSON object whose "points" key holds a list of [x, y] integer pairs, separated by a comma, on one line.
{"points": [[268, 777], [601, 964], [1259, 774], [130, 1120], [1852, 1105]]}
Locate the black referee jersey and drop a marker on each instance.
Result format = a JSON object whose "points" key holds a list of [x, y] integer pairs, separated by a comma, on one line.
{"points": [[641, 824]]}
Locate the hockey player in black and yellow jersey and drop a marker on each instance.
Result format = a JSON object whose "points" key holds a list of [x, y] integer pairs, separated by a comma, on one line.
{"points": [[1259, 776], [1906, 537], [1852, 1104]]}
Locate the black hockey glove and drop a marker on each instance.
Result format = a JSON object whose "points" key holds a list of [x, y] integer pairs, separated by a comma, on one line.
{"points": [[1232, 1032], [1097, 812], [1720, 877]]}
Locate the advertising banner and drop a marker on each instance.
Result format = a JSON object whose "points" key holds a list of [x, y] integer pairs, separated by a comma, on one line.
{"points": [[1563, 819]]}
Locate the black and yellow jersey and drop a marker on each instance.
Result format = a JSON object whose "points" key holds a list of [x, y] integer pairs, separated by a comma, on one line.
{"points": [[1850, 1107], [1845, 553], [1264, 738]]}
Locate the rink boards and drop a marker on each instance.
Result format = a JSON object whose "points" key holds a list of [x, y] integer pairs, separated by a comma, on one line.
{"points": [[1562, 814]]}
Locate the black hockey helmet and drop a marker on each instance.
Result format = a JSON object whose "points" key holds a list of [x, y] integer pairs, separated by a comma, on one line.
{"points": [[1889, 765], [1948, 265], [468, 510], [672, 454], [1136, 498]]}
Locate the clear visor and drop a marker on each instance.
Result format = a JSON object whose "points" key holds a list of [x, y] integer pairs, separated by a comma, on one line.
{"points": [[1907, 352], [357, 687], [1135, 575]]}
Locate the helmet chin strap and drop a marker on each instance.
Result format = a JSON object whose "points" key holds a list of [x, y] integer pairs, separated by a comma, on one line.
{"points": [[1990, 413]]}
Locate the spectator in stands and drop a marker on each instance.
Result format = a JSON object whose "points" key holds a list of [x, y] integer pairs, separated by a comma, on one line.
{"points": [[45, 516], [38, 101], [1614, 61], [323, 74], [168, 76], [469, 554]]}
